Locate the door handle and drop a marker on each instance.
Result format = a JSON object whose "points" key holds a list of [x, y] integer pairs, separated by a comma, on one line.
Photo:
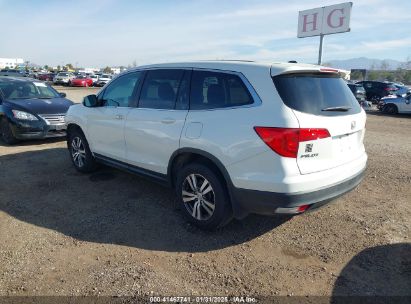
{"points": [[168, 121], [119, 117]]}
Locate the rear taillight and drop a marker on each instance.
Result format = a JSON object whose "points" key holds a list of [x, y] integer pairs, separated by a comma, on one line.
{"points": [[390, 89], [285, 141]]}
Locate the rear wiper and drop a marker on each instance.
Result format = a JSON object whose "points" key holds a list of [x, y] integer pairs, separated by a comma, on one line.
{"points": [[341, 109]]}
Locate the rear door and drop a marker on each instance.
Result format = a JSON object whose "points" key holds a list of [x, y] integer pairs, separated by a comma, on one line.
{"points": [[153, 129], [322, 100]]}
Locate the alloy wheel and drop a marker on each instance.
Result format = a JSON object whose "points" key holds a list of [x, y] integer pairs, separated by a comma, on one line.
{"points": [[198, 197], [78, 152]]}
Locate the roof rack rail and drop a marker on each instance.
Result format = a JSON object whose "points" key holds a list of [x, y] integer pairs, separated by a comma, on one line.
{"points": [[240, 60]]}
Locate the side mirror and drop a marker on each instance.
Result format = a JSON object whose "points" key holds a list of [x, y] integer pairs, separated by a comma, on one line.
{"points": [[62, 94], [90, 101]]}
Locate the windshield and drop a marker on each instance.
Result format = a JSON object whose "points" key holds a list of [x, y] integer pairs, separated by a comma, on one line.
{"points": [[62, 74], [27, 90], [105, 76], [316, 93]]}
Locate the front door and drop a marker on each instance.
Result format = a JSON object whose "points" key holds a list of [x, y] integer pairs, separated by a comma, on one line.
{"points": [[106, 123]]}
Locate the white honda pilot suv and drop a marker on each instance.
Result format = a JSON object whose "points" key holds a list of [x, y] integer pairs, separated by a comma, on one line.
{"points": [[231, 137]]}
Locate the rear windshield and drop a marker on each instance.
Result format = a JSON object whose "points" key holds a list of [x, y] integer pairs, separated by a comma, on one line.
{"points": [[317, 93]]}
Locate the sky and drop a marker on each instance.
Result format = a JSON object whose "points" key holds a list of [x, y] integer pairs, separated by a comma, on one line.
{"points": [[99, 33]]}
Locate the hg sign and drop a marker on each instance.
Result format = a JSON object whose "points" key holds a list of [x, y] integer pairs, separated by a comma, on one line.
{"points": [[324, 20]]}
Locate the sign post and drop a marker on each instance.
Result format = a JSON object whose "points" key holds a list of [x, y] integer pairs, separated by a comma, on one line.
{"points": [[323, 21], [320, 51]]}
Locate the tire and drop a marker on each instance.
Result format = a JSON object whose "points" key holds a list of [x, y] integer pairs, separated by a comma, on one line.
{"points": [[80, 154], [204, 202], [6, 134], [390, 109]]}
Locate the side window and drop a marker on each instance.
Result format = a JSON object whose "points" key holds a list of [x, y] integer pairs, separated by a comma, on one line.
{"points": [[120, 92], [210, 90], [160, 89]]}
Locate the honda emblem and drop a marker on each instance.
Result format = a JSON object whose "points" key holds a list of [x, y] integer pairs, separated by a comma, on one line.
{"points": [[353, 124]]}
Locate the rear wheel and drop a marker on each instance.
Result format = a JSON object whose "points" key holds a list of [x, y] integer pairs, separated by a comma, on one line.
{"points": [[203, 197], [6, 134], [80, 154], [391, 109]]}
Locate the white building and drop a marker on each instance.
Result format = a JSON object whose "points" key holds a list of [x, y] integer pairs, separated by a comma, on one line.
{"points": [[10, 63], [118, 70], [89, 70]]}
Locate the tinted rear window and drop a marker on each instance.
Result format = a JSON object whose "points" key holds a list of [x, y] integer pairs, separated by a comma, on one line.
{"points": [[211, 90], [313, 92]]}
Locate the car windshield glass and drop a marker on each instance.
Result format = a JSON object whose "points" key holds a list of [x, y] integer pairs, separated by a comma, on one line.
{"points": [[105, 76], [27, 90], [316, 93], [62, 74]]}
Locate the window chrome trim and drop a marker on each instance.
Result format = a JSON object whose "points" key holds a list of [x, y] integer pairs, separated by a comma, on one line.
{"points": [[256, 98]]}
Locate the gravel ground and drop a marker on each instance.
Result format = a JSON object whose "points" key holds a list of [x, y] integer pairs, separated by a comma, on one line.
{"points": [[76, 94], [112, 233]]}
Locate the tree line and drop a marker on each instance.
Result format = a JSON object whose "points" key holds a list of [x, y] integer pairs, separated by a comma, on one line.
{"points": [[384, 73]]}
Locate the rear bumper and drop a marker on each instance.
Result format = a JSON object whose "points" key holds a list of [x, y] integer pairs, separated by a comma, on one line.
{"points": [[268, 203]]}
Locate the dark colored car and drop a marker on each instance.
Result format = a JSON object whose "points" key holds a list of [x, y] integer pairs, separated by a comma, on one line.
{"points": [[358, 91], [46, 77], [30, 109], [375, 90]]}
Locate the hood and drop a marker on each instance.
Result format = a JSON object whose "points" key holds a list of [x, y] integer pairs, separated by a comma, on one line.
{"points": [[41, 106]]}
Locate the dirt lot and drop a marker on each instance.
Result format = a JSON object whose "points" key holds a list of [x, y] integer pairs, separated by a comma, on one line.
{"points": [[76, 94], [112, 233]]}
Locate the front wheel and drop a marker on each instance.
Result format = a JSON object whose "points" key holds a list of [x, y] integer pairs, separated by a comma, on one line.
{"points": [[6, 134], [203, 197], [80, 154]]}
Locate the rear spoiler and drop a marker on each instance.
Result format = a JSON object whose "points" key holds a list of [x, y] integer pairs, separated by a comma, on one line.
{"points": [[298, 68]]}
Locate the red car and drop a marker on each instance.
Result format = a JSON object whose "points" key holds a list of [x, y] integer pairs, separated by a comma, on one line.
{"points": [[81, 81]]}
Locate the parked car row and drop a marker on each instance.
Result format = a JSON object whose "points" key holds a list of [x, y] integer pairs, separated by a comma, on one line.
{"points": [[81, 80], [14, 72]]}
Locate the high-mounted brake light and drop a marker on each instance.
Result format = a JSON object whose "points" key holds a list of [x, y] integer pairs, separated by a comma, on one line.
{"points": [[328, 70], [285, 141]]}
